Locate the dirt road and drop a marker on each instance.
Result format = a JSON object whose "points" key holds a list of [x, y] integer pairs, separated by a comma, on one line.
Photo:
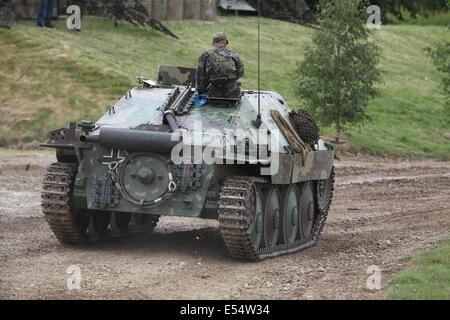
{"points": [[384, 211]]}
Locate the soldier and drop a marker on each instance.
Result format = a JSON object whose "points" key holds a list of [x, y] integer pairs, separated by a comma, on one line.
{"points": [[219, 70]]}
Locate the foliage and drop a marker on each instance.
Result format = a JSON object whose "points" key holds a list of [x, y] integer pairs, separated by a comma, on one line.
{"points": [[414, 7], [294, 9], [440, 55], [339, 73]]}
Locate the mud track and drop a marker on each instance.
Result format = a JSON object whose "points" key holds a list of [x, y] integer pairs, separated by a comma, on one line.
{"points": [[384, 211]]}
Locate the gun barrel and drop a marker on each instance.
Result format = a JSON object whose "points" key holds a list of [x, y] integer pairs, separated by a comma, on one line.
{"points": [[134, 140]]}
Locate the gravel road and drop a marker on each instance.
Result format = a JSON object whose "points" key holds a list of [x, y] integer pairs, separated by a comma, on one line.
{"points": [[384, 211]]}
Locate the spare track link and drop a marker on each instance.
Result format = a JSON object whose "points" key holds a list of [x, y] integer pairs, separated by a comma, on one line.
{"points": [[61, 217], [235, 210]]}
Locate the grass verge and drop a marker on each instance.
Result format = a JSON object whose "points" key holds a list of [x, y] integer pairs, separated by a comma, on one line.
{"points": [[428, 279]]}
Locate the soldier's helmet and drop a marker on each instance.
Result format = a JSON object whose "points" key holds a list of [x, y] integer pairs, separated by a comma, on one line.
{"points": [[219, 37]]}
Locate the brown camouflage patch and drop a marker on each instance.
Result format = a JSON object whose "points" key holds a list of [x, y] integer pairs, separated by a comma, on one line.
{"points": [[176, 76]]}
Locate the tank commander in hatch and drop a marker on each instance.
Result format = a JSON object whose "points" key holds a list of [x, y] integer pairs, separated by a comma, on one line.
{"points": [[219, 70]]}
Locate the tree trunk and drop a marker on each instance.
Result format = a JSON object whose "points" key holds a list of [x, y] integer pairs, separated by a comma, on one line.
{"points": [[148, 5], [338, 131], [208, 9], [338, 104], [159, 9], [192, 9], [175, 9]]}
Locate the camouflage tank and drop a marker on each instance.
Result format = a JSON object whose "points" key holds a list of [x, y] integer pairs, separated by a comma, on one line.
{"points": [[164, 151]]}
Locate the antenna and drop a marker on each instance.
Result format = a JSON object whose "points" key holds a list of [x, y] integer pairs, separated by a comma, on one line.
{"points": [[258, 122]]}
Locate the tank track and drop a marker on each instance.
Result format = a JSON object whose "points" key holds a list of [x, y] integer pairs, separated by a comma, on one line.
{"points": [[325, 211], [65, 221], [235, 207]]}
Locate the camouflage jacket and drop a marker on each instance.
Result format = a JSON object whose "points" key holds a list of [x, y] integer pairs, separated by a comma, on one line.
{"points": [[218, 71]]}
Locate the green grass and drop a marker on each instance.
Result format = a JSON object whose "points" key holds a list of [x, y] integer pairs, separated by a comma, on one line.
{"points": [[428, 279], [437, 19], [49, 77]]}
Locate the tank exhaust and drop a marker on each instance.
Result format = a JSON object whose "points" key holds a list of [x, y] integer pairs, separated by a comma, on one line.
{"points": [[134, 140]]}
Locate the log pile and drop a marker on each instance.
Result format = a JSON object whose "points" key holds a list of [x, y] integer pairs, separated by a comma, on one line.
{"points": [[132, 11]]}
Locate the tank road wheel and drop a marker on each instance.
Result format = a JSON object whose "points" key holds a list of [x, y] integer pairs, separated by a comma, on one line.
{"points": [[307, 212], [256, 222], [239, 213], [67, 223], [272, 218], [290, 204]]}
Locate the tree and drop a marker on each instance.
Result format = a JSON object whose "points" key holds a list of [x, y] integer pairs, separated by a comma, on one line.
{"points": [[440, 54], [414, 7], [339, 73]]}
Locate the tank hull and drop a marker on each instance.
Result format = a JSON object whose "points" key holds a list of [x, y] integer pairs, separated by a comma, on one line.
{"points": [[156, 154]]}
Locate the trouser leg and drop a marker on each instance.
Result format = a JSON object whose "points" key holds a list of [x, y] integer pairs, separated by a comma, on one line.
{"points": [[49, 13], [42, 13]]}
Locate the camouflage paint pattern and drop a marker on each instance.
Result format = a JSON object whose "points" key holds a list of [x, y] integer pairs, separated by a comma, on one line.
{"points": [[176, 76], [284, 175], [317, 166]]}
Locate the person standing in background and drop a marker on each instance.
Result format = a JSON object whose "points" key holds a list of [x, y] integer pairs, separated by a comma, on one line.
{"points": [[44, 18]]}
